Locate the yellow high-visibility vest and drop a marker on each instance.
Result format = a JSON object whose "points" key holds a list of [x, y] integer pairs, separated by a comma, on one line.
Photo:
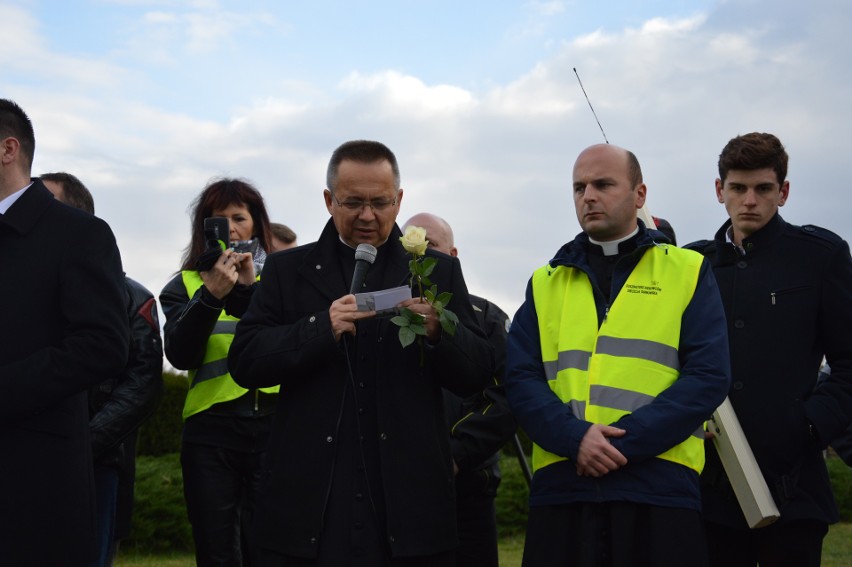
{"points": [[605, 373], [211, 383]]}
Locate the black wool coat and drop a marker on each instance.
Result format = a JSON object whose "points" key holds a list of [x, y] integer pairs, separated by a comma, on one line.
{"points": [[285, 338], [64, 329], [788, 302]]}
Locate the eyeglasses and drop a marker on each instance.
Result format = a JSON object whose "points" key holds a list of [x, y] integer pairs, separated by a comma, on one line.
{"points": [[357, 205]]}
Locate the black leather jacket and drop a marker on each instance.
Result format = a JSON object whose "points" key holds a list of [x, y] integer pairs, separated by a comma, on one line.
{"points": [[481, 424], [117, 407]]}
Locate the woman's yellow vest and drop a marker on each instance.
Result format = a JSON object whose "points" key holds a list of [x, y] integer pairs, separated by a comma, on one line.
{"points": [[211, 383], [605, 373]]}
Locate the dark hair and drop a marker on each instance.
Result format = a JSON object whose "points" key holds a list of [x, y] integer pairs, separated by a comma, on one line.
{"points": [[633, 169], [14, 123], [361, 151], [74, 193], [757, 150], [666, 228], [218, 195], [282, 232]]}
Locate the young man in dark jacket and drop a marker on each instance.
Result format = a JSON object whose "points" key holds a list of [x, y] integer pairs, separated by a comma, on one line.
{"points": [[787, 292], [64, 330]]}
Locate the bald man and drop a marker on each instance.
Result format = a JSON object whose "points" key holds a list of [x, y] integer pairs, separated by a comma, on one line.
{"points": [[613, 363], [479, 425]]}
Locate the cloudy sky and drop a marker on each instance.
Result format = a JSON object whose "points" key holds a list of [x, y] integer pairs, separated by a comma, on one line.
{"points": [[147, 100]]}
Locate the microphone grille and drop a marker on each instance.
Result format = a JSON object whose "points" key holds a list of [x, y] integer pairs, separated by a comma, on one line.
{"points": [[366, 252]]}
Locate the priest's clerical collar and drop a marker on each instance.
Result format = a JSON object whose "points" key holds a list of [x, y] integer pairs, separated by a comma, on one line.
{"points": [[610, 248], [355, 247]]}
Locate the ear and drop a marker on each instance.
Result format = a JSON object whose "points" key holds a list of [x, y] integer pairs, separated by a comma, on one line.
{"points": [[454, 252], [9, 148], [641, 192], [719, 191], [785, 192], [329, 200]]}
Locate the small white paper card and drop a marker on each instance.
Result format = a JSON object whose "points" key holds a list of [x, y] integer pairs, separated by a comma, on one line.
{"points": [[383, 302]]}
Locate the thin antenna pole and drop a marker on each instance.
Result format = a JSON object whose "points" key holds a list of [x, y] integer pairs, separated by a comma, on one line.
{"points": [[595, 114]]}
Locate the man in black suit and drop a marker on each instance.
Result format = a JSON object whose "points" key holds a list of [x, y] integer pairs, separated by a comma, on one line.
{"points": [[360, 470], [64, 329]]}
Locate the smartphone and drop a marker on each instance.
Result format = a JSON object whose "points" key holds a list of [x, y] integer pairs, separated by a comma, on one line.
{"points": [[217, 232], [243, 245]]}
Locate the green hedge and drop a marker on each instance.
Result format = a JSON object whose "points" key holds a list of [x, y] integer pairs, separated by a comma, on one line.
{"points": [[841, 482], [160, 435], [512, 498], [160, 524]]}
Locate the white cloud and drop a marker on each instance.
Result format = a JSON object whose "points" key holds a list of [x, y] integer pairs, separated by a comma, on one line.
{"points": [[673, 90]]}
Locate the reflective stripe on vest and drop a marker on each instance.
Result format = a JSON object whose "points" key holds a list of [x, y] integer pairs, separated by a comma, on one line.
{"points": [[594, 370], [211, 383]]}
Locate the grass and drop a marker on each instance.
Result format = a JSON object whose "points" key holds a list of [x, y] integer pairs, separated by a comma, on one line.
{"points": [[836, 552]]}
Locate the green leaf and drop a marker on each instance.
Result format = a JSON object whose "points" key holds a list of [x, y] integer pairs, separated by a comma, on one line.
{"points": [[429, 295], [445, 297], [451, 316], [429, 265], [448, 321], [406, 336], [400, 320], [419, 329]]}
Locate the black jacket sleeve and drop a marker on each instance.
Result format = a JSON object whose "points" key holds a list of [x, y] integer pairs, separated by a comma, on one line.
{"points": [[137, 391], [484, 422], [189, 323]]}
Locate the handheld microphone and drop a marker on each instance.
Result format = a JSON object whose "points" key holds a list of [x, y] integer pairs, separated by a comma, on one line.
{"points": [[365, 255]]}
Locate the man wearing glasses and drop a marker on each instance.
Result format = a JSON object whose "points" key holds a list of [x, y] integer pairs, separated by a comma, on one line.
{"points": [[360, 469]]}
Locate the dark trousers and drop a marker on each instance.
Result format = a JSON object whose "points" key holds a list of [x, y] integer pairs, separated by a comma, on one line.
{"points": [[106, 492], [614, 534], [791, 544], [476, 518], [220, 487]]}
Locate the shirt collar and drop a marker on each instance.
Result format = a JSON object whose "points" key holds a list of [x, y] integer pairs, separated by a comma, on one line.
{"points": [[6, 203]]}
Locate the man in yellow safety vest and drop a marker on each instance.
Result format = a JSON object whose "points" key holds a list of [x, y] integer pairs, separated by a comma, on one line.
{"points": [[615, 360]]}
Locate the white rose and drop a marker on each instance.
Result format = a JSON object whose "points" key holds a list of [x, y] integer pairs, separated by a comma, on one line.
{"points": [[414, 240]]}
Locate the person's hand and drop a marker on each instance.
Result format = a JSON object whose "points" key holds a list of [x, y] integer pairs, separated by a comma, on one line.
{"points": [[245, 267], [597, 456], [343, 314], [430, 317], [222, 277]]}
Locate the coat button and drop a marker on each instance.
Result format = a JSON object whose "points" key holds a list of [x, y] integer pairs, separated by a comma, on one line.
{"points": [[329, 439], [313, 540], [383, 436], [739, 324], [738, 385], [742, 264], [318, 267], [312, 319]]}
